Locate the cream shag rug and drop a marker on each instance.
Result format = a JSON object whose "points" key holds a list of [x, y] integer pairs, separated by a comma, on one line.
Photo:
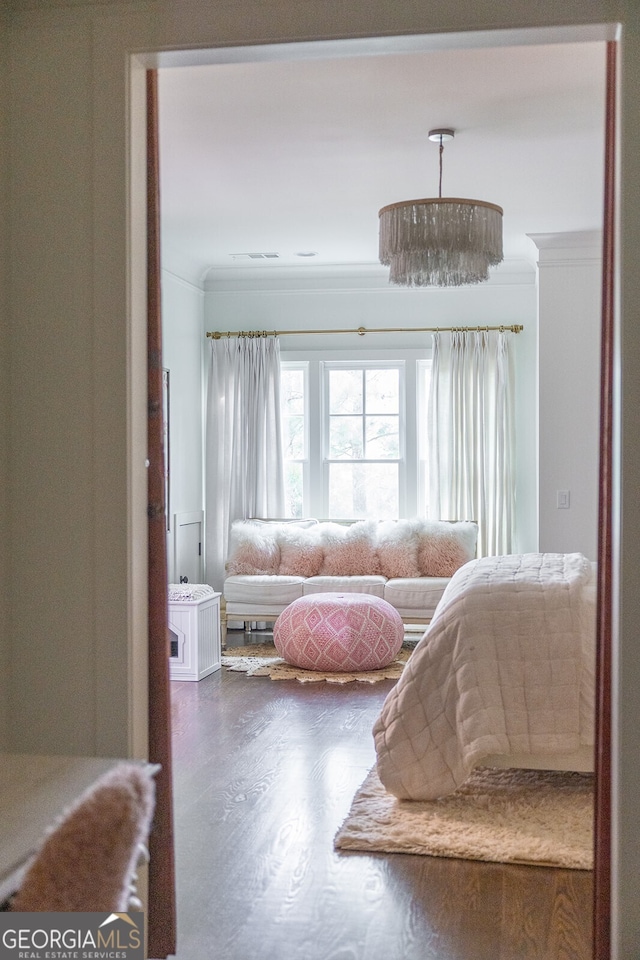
{"points": [[537, 817], [261, 660]]}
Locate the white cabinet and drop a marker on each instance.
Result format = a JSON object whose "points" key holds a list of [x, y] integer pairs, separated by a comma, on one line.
{"points": [[194, 634]]}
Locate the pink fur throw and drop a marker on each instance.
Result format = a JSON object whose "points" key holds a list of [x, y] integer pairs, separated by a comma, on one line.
{"points": [[87, 862], [253, 549], [398, 549], [350, 551], [444, 547], [301, 551], [393, 548]]}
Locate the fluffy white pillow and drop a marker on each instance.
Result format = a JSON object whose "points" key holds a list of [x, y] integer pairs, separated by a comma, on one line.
{"points": [[398, 549], [444, 547], [301, 551], [253, 549], [350, 551]]}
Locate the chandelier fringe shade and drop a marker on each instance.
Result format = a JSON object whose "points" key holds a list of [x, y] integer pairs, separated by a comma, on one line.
{"points": [[440, 241]]}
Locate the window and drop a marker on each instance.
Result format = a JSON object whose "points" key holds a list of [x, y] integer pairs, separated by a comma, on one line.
{"points": [[351, 430], [363, 461]]}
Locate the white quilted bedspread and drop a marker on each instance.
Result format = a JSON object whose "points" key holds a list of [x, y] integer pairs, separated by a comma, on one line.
{"points": [[507, 665]]}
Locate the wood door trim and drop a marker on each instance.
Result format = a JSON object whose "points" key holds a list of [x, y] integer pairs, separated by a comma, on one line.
{"points": [[159, 716], [602, 812], [162, 895]]}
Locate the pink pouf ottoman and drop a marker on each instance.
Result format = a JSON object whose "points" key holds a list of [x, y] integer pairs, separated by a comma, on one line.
{"points": [[339, 632]]}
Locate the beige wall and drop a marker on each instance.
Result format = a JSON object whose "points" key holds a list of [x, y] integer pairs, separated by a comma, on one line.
{"points": [[5, 665], [76, 415], [77, 411], [53, 435]]}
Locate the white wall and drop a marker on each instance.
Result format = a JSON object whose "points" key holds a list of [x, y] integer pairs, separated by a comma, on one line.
{"points": [[182, 355], [336, 300], [557, 363], [348, 298], [570, 298]]}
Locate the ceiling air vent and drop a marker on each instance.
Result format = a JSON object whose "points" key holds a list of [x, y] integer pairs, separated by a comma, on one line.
{"points": [[254, 256]]}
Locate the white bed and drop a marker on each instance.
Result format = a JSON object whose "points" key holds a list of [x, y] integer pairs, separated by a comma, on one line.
{"points": [[503, 676]]}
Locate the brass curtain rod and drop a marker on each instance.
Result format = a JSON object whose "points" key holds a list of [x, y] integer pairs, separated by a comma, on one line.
{"points": [[361, 331]]}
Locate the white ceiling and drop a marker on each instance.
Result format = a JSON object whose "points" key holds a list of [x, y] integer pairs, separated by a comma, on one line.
{"points": [[296, 156]]}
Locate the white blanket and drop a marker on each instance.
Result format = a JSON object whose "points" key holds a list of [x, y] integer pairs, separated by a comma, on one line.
{"points": [[507, 665]]}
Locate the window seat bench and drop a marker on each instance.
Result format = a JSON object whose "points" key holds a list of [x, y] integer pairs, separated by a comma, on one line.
{"points": [[408, 563]]}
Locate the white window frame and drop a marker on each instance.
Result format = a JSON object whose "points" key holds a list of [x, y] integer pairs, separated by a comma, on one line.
{"points": [[326, 367], [315, 483]]}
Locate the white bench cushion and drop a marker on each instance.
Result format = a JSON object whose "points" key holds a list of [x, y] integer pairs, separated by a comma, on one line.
{"points": [[262, 589], [373, 585], [415, 594]]}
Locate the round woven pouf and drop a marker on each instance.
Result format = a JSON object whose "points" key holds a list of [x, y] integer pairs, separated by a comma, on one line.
{"points": [[339, 632]]}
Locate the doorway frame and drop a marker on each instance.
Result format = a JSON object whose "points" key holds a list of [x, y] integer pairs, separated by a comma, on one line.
{"points": [[367, 46]]}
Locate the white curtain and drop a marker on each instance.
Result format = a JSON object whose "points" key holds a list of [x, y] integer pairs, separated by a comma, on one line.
{"points": [[244, 473], [471, 439]]}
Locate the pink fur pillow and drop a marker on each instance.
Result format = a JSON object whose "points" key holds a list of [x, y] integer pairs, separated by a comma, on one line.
{"points": [[253, 549], [444, 547], [87, 862], [398, 549], [301, 552], [350, 551]]}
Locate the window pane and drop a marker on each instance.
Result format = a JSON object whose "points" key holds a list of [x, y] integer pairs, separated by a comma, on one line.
{"points": [[345, 438], [292, 391], [293, 489], [293, 438], [363, 491], [383, 441], [345, 391], [424, 383], [383, 393]]}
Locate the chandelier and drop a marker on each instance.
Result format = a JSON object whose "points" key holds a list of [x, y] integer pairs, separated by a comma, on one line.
{"points": [[441, 241]]}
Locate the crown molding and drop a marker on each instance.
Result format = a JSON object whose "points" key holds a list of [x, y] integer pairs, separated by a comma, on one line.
{"points": [[182, 281], [579, 246], [340, 278]]}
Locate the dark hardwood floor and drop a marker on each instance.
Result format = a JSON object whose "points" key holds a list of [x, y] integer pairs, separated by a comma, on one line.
{"points": [[264, 775]]}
